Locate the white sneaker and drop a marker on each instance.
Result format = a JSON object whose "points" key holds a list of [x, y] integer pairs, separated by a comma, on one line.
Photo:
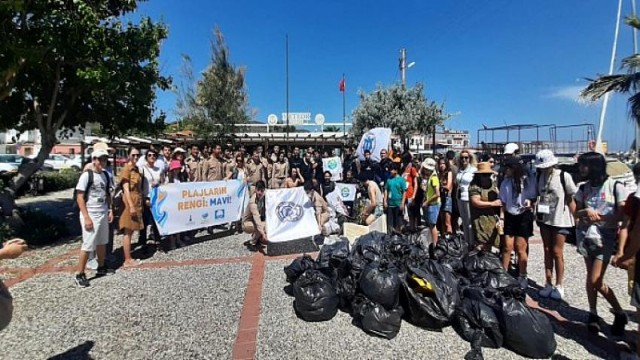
{"points": [[546, 291], [523, 282], [557, 293]]}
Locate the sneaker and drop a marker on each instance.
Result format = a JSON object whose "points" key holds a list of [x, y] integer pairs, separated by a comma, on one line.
{"points": [[546, 291], [523, 282], [81, 280], [619, 322], [557, 293], [104, 271], [593, 324]]}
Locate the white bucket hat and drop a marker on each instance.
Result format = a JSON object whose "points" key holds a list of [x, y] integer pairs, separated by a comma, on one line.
{"points": [[429, 164], [179, 150], [99, 153], [511, 148], [545, 159]]}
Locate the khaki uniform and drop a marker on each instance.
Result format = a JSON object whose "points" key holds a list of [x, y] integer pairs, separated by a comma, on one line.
{"points": [[252, 219], [279, 175], [321, 208], [228, 167], [212, 170], [255, 173], [193, 163]]}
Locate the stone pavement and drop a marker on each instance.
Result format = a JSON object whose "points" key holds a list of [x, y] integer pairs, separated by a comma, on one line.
{"points": [[216, 300]]}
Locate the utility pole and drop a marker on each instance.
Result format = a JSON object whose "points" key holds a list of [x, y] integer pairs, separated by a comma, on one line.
{"points": [[287, 75], [403, 66]]}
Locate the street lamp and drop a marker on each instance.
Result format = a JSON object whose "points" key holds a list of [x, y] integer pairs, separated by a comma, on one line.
{"points": [[404, 66]]}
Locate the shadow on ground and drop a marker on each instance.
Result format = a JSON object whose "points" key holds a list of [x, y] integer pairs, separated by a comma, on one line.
{"points": [[80, 352]]}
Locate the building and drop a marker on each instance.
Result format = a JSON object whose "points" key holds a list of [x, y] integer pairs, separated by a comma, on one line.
{"points": [[446, 139], [28, 143]]}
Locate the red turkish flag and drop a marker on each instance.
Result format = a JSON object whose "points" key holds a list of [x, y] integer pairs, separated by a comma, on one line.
{"points": [[342, 84]]}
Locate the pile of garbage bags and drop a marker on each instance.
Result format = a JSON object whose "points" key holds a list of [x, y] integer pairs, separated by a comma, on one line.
{"points": [[383, 279]]}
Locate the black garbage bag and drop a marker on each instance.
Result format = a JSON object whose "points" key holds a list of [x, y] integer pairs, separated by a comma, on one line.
{"points": [[451, 245], [298, 267], [476, 321], [375, 319], [315, 297], [334, 255], [346, 288], [380, 282], [485, 269], [430, 295], [370, 246], [527, 332]]}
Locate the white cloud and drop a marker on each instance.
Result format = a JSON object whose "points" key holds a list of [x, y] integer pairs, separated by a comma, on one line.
{"points": [[570, 92]]}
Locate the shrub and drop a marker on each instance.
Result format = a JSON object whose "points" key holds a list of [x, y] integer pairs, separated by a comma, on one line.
{"points": [[56, 181], [39, 228]]}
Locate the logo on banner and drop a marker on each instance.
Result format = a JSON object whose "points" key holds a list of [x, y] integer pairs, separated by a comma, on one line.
{"points": [[160, 215], [289, 212], [205, 218], [369, 142], [332, 164], [219, 214], [190, 222], [345, 192]]}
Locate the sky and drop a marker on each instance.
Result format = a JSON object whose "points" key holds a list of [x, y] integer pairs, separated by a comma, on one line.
{"points": [[491, 62]]}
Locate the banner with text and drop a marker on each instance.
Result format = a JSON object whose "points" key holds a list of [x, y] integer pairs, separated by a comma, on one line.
{"points": [[190, 206], [334, 166], [346, 191], [290, 215], [374, 140]]}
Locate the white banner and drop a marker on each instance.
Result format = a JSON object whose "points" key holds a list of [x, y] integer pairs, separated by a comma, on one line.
{"points": [[374, 140], [334, 166], [190, 206], [290, 215], [346, 191]]}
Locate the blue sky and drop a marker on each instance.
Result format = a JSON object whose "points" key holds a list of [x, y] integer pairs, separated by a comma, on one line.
{"points": [[492, 62]]}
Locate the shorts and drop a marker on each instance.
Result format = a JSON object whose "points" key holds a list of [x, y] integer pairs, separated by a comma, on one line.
{"points": [[430, 213], [596, 249], [566, 231], [518, 225], [447, 204], [100, 233]]}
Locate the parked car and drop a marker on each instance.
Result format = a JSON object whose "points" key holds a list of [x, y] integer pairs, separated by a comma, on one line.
{"points": [[59, 162], [9, 162]]}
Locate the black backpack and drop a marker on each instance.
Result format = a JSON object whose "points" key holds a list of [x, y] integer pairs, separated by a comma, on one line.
{"points": [[88, 188]]}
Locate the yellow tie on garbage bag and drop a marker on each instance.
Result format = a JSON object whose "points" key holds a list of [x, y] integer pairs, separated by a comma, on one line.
{"points": [[423, 286]]}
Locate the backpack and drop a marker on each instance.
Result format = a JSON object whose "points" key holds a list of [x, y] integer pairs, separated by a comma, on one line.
{"points": [[88, 188]]}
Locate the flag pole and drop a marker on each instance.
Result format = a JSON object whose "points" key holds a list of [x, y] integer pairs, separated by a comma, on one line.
{"points": [[344, 116]]}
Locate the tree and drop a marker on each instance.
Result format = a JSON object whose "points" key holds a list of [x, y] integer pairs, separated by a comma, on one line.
{"points": [[219, 100], [622, 83], [332, 128], [95, 68], [405, 111]]}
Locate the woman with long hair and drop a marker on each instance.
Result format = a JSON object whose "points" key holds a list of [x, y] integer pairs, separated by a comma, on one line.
{"points": [[517, 193], [295, 178], [466, 163], [555, 190], [599, 208], [446, 186], [131, 218], [485, 208]]}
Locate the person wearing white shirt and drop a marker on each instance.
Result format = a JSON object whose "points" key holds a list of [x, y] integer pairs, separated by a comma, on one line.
{"points": [[466, 168], [153, 177]]}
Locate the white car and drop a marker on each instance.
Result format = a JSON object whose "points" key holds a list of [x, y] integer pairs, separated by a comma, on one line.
{"points": [[59, 162], [9, 162]]}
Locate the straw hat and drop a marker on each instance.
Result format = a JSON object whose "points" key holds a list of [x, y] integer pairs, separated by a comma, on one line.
{"points": [[484, 168], [99, 153], [429, 164]]}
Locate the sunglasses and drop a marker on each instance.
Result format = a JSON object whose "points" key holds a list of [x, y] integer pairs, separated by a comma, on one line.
{"points": [[464, 157], [152, 155], [135, 155]]}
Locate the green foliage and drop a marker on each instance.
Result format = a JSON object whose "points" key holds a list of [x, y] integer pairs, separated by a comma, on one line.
{"points": [[405, 111], [215, 103], [87, 65], [38, 229], [56, 181]]}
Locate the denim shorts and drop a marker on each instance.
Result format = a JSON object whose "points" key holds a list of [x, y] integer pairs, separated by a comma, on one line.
{"points": [[430, 214], [596, 248], [447, 204]]}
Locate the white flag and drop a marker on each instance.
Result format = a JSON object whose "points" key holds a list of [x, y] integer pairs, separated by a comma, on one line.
{"points": [[334, 166], [346, 191], [290, 215], [374, 140]]}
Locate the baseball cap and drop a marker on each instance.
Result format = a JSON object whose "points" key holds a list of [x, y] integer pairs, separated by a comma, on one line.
{"points": [[511, 148]]}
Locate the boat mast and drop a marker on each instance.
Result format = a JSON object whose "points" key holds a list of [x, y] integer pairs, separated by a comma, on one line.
{"points": [[605, 102]]}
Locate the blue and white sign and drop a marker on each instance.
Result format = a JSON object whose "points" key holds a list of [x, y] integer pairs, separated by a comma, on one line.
{"points": [[334, 166], [347, 191], [190, 206], [374, 141], [290, 215]]}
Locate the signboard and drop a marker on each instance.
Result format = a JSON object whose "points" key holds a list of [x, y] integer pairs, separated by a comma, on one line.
{"points": [[334, 166], [189, 206], [290, 215], [297, 118]]}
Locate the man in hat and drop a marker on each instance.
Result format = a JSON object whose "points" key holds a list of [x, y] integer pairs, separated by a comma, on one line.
{"points": [[94, 202]]}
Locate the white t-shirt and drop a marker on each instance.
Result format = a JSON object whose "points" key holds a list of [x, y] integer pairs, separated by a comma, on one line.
{"points": [[151, 175], [463, 181], [603, 199], [559, 216], [97, 199], [514, 204]]}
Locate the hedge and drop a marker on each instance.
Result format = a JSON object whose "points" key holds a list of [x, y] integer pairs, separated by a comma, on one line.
{"points": [[53, 180], [38, 229]]}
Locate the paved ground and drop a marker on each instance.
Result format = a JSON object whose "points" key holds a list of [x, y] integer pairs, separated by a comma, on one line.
{"points": [[216, 300]]}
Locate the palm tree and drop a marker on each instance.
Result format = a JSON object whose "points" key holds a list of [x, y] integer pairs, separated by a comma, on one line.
{"points": [[332, 128], [621, 83]]}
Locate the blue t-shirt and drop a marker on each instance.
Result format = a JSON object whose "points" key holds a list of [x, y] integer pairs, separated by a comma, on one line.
{"points": [[396, 187]]}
